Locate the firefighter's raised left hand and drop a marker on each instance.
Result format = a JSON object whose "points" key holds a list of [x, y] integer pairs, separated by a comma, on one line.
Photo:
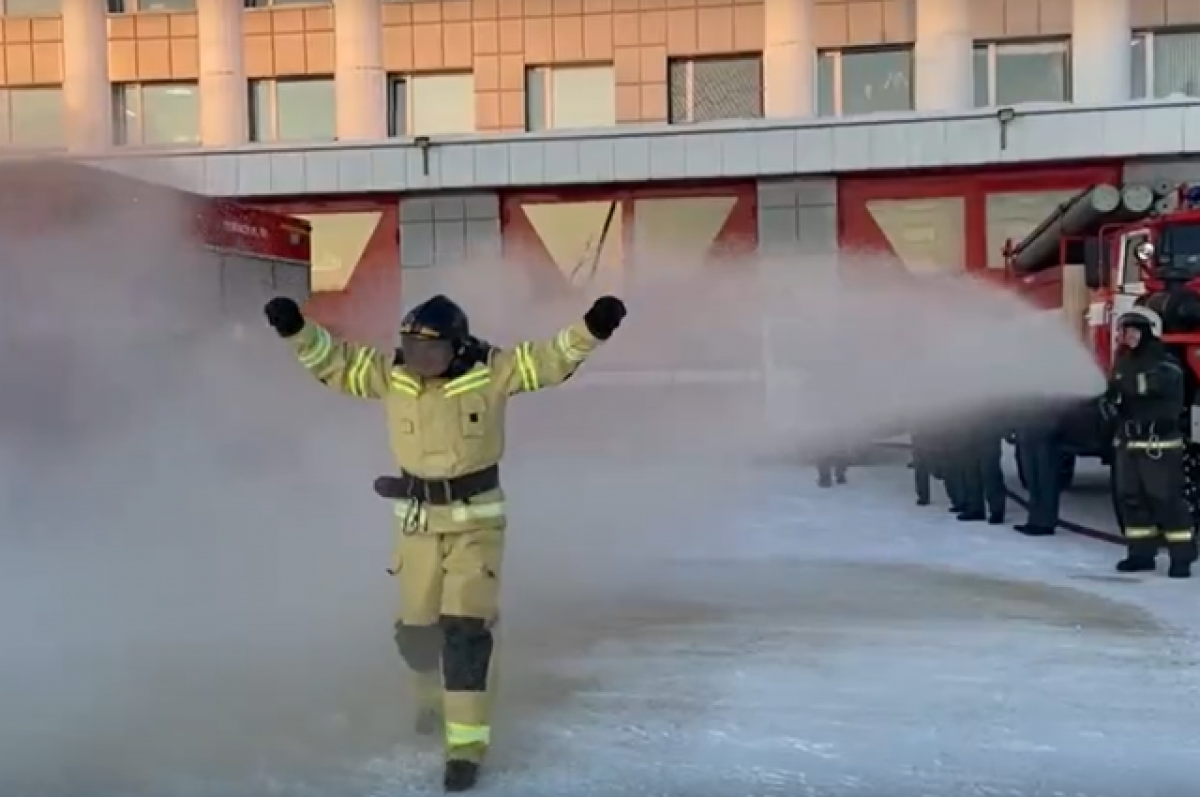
{"points": [[605, 315]]}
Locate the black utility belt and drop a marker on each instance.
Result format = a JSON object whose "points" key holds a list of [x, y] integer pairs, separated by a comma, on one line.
{"points": [[438, 492], [1149, 430]]}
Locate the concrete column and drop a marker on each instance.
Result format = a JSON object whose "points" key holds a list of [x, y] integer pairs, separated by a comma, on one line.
{"points": [[1100, 51], [789, 59], [943, 57], [224, 105], [87, 94], [358, 71]]}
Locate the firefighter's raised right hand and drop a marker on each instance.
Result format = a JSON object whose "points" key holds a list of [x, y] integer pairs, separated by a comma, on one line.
{"points": [[284, 316]]}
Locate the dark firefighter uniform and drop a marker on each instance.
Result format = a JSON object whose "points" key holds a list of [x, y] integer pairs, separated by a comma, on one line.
{"points": [[1145, 395], [444, 396], [1179, 308]]}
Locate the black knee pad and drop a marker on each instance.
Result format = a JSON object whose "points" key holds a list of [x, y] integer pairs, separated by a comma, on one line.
{"points": [[466, 653], [420, 646]]}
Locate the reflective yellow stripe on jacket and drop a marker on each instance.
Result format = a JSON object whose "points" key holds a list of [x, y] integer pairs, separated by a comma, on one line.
{"points": [[527, 367], [472, 380], [462, 735], [319, 351], [1153, 445]]}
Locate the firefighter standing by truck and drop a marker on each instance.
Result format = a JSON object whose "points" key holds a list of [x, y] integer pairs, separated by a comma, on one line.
{"points": [[1179, 308], [444, 395], [1145, 397]]}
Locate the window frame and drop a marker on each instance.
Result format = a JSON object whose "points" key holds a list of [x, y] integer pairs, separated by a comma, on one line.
{"points": [[253, 122], [992, 48], [251, 4], [689, 84], [1149, 39], [837, 76], [4, 12], [394, 81], [119, 106], [135, 7], [546, 73], [6, 117]]}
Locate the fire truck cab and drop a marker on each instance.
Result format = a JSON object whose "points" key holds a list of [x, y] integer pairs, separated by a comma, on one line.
{"points": [[1093, 260]]}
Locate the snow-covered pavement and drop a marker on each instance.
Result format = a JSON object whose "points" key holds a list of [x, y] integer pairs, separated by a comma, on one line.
{"points": [[850, 644], [834, 643]]}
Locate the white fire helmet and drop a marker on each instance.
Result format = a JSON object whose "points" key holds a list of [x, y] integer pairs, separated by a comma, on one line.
{"points": [[1142, 317]]}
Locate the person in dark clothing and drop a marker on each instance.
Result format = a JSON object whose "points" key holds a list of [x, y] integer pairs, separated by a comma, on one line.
{"points": [[1145, 396], [931, 460], [1040, 450], [832, 468], [983, 493], [923, 467], [1179, 308]]}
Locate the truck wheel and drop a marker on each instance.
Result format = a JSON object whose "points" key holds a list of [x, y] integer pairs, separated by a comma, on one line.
{"points": [[1066, 472]]}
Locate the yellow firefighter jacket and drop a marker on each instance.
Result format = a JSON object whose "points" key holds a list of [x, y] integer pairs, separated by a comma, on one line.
{"points": [[439, 428]]}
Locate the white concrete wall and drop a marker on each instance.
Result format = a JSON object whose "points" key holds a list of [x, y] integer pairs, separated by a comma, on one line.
{"points": [[943, 56], [224, 100], [767, 149], [358, 71], [87, 96], [1100, 51]]}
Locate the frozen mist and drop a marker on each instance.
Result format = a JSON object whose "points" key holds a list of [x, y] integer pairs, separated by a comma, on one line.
{"points": [[192, 589]]}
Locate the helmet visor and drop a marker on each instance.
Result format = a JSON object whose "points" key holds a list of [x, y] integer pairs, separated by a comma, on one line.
{"points": [[425, 357]]}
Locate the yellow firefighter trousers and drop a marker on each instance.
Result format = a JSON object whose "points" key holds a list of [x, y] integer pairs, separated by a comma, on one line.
{"points": [[452, 580]]}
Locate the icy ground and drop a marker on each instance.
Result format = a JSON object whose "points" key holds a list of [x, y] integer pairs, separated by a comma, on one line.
{"points": [[843, 643], [834, 643]]}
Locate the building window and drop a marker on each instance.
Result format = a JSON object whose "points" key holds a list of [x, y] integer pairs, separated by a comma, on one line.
{"points": [[440, 105], [1166, 63], [430, 105], [156, 114], [293, 109], [269, 3], [33, 117], [134, 6], [32, 8], [565, 97], [1010, 73], [851, 82], [707, 89]]}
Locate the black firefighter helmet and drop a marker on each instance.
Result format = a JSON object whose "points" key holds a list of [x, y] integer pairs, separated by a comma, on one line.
{"points": [[433, 335]]}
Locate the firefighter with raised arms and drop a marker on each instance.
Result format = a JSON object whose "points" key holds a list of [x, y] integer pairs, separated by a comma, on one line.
{"points": [[1145, 398], [444, 394]]}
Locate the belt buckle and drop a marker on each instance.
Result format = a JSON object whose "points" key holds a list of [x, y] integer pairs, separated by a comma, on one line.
{"points": [[438, 491]]}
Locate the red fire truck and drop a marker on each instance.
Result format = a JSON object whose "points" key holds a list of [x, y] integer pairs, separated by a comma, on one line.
{"points": [[1093, 258]]}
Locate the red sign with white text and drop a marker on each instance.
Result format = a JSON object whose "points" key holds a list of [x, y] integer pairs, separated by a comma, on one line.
{"points": [[253, 231]]}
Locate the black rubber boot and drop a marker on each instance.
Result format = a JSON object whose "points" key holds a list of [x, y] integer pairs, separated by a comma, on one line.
{"points": [[1136, 564], [1035, 531], [996, 519], [970, 517], [460, 776], [1180, 568]]}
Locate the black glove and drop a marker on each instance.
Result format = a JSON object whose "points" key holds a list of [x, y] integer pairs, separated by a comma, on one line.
{"points": [[284, 315], [605, 315]]}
